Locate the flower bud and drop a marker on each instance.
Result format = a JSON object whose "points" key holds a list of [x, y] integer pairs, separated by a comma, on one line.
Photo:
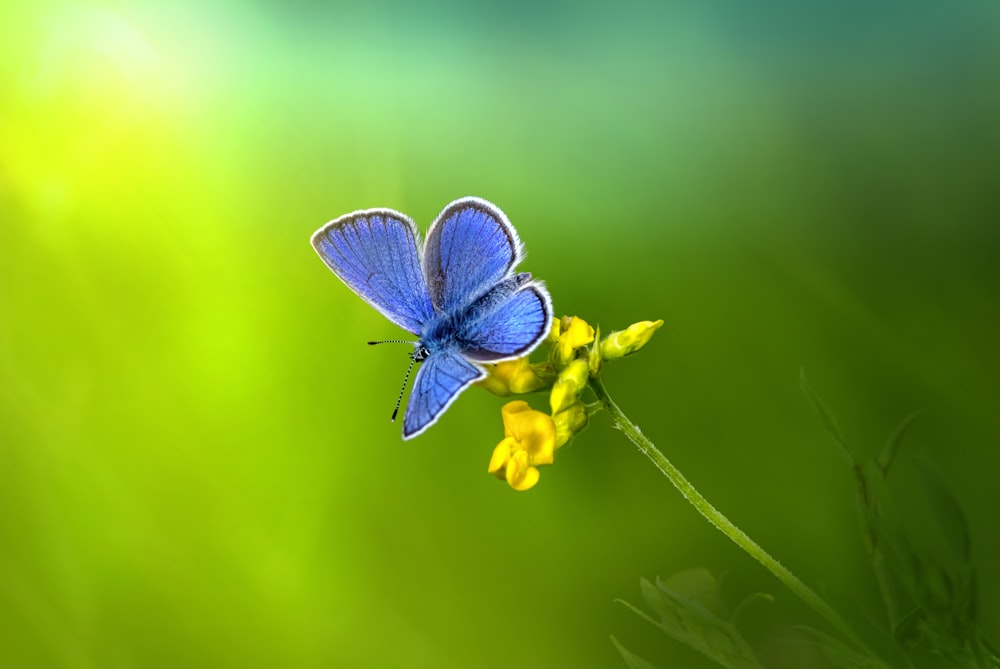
{"points": [[569, 385], [628, 341], [569, 421]]}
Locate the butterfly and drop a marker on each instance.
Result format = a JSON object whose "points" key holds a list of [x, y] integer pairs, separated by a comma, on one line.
{"points": [[457, 292]]}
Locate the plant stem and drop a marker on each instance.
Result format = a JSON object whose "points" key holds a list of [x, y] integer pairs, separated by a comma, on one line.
{"points": [[723, 524]]}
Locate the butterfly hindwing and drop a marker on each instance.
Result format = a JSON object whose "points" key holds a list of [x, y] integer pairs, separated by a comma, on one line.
{"points": [[507, 322], [470, 247], [440, 379], [376, 253]]}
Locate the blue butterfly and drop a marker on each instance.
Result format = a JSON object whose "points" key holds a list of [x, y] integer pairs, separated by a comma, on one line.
{"points": [[457, 292]]}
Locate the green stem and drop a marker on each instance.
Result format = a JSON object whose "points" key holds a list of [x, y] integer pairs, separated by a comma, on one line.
{"points": [[723, 524]]}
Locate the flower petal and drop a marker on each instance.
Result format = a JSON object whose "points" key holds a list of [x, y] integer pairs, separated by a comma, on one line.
{"points": [[521, 475], [510, 413], [501, 454], [528, 480], [511, 376], [575, 334], [536, 435]]}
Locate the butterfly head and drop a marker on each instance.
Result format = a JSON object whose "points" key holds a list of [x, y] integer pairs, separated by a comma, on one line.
{"points": [[420, 352]]}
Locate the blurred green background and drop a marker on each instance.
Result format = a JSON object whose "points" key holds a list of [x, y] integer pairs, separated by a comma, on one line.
{"points": [[196, 463]]}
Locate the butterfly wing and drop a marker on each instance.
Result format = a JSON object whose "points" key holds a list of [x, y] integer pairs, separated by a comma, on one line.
{"points": [[440, 379], [376, 252], [507, 322], [470, 247]]}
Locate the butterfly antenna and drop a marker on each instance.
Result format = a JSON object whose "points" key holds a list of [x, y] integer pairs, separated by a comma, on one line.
{"points": [[391, 341], [406, 379]]}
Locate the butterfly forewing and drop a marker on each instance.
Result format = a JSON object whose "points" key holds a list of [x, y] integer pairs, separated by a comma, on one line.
{"points": [[376, 253], [439, 381], [470, 247]]}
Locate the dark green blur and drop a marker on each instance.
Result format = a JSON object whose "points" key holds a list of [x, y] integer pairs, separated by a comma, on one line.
{"points": [[196, 463]]}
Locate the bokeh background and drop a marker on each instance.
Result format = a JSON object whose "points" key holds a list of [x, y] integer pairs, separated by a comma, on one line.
{"points": [[196, 463]]}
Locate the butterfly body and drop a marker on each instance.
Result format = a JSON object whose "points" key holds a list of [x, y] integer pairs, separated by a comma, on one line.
{"points": [[457, 292]]}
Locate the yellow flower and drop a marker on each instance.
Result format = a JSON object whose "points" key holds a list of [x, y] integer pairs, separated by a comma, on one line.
{"points": [[529, 441], [574, 333], [628, 341], [512, 376], [571, 382], [532, 437]]}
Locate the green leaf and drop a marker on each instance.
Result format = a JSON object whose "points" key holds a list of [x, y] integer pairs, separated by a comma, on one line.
{"points": [[639, 612], [683, 615], [947, 512], [697, 585], [826, 417], [631, 659], [888, 453], [931, 559], [839, 655], [950, 568]]}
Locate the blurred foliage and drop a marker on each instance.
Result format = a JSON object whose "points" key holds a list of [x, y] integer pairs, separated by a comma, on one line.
{"points": [[196, 463], [689, 609], [921, 555]]}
